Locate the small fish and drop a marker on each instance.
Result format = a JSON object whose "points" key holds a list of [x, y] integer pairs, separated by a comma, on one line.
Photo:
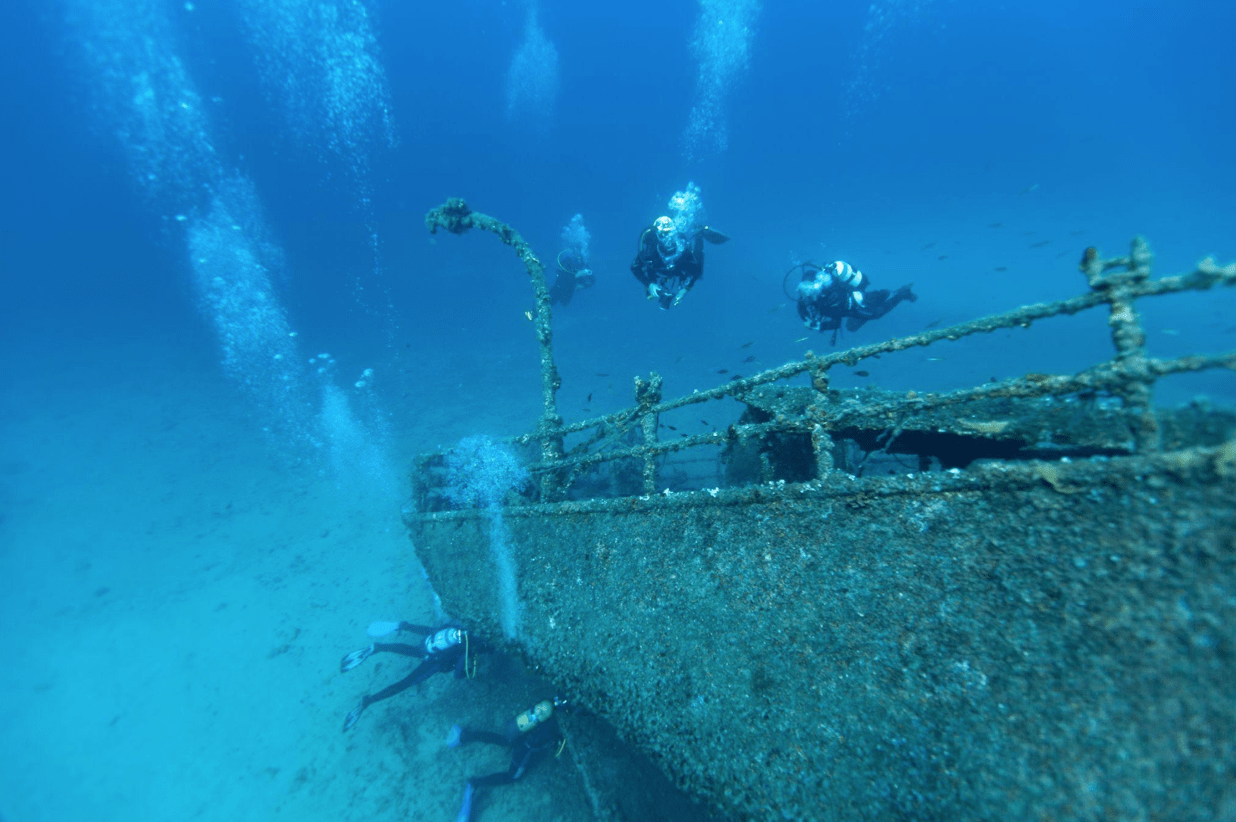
{"points": [[680, 358], [995, 225], [801, 339], [528, 314], [929, 245], [747, 344], [1030, 189], [1062, 254], [589, 398], [935, 322], [599, 374], [1028, 233], [942, 257], [682, 435], [703, 422], [587, 410], [672, 428], [752, 359], [723, 371], [1076, 233], [736, 377], [862, 373], [1040, 243], [935, 359], [1002, 268], [1171, 332], [776, 308]]}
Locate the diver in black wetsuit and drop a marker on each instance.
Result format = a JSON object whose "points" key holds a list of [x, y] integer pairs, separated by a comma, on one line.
{"points": [[532, 736], [837, 292], [449, 648], [573, 273], [669, 264]]}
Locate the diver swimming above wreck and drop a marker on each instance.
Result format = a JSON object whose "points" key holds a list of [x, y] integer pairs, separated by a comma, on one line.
{"points": [[831, 294], [1037, 622], [670, 258]]}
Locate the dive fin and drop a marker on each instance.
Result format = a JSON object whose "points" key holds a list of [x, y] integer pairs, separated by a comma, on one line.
{"points": [[355, 658], [713, 236], [465, 809]]}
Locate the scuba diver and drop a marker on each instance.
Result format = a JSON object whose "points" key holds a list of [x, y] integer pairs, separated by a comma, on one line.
{"points": [[573, 269], [531, 736], [573, 272], [449, 648], [837, 292], [668, 264]]}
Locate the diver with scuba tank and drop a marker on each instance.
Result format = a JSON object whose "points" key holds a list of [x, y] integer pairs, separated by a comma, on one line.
{"points": [[449, 648], [532, 737], [669, 262], [831, 294], [573, 273], [574, 270]]}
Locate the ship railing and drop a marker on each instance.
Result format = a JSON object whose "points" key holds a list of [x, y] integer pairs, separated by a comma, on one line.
{"points": [[632, 434]]}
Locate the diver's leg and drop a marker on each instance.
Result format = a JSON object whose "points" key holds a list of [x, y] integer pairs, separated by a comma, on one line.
{"points": [[422, 672], [357, 657], [501, 778], [419, 674], [467, 735], [399, 648], [878, 303]]}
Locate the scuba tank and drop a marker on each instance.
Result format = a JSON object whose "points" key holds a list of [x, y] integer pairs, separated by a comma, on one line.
{"points": [[443, 640], [534, 716]]}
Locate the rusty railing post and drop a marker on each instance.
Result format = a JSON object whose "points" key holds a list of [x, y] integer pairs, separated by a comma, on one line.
{"points": [[456, 217], [647, 395], [1127, 334], [821, 441]]}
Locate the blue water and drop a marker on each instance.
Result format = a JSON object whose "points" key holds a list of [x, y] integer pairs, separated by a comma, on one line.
{"points": [[202, 198]]}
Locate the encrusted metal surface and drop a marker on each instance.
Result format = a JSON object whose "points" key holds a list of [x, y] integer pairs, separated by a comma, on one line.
{"points": [[1041, 640]]}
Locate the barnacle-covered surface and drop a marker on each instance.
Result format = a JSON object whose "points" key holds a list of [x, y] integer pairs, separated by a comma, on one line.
{"points": [[1039, 639]]}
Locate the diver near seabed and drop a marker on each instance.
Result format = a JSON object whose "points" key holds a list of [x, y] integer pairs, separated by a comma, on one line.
{"points": [[574, 270], [449, 648], [532, 736], [830, 294]]}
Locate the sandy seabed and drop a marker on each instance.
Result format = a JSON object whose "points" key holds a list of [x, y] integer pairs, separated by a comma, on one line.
{"points": [[176, 599]]}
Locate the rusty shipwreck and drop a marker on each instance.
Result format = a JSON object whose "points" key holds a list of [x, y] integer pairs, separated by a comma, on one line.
{"points": [[1037, 621]]}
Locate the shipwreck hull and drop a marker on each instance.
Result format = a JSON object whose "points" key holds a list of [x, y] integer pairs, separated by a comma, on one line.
{"points": [[1038, 621], [1035, 640]]}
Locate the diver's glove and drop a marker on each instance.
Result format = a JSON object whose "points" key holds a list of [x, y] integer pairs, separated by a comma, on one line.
{"points": [[682, 292], [654, 291]]}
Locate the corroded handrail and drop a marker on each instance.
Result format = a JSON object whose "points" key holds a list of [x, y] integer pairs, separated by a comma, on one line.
{"points": [[455, 216], [1129, 375]]}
